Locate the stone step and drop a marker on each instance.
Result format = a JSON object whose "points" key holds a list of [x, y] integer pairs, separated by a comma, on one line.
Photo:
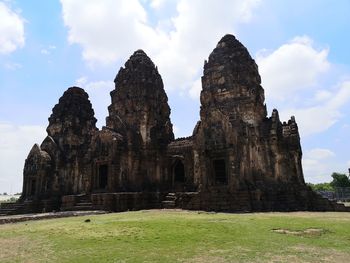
{"points": [[77, 208], [8, 211], [169, 201], [170, 198], [84, 204], [87, 207], [11, 208], [4, 205], [168, 204], [84, 200]]}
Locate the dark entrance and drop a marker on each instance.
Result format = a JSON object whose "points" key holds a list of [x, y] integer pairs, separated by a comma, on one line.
{"points": [[220, 171], [179, 172], [33, 187], [102, 176]]}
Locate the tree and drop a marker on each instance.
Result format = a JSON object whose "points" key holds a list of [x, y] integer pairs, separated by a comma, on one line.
{"points": [[322, 187], [340, 180]]}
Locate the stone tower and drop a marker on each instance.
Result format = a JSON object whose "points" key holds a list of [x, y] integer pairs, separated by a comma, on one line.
{"points": [[237, 159], [72, 122], [231, 84], [139, 106], [141, 114], [37, 174], [238, 147]]}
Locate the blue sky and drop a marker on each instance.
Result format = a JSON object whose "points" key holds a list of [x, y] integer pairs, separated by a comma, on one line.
{"points": [[301, 48]]}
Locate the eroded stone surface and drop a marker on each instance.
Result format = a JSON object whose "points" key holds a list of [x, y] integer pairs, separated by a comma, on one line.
{"points": [[237, 159], [139, 106]]}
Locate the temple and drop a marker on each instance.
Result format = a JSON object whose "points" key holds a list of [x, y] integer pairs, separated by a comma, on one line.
{"points": [[237, 159]]}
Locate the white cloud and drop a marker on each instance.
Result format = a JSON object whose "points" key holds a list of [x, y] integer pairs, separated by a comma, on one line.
{"points": [[44, 51], [322, 95], [196, 89], [15, 144], [176, 130], [116, 30], [323, 115], [319, 154], [341, 97], [120, 27], [293, 67], [312, 120], [293, 79], [157, 4], [198, 26], [47, 50], [317, 165], [11, 30], [99, 96], [81, 81]]}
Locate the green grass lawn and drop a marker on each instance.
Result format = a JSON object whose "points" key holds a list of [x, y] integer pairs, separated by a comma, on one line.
{"points": [[180, 236]]}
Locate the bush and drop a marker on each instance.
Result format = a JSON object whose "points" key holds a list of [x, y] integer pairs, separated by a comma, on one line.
{"points": [[322, 187], [340, 180]]}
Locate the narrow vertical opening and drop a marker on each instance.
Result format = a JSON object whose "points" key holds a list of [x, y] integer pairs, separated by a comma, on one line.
{"points": [[103, 176], [179, 172], [33, 187], [220, 171]]}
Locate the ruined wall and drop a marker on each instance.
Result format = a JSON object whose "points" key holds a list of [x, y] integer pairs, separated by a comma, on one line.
{"points": [[70, 130], [106, 151], [237, 159], [71, 126], [180, 165], [37, 173]]}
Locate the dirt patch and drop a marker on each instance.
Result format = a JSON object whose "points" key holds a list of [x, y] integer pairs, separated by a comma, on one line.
{"points": [[309, 232], [23, 249], [314, 254], [308, 254], [287, 258], [205, 259], [10, 247]]}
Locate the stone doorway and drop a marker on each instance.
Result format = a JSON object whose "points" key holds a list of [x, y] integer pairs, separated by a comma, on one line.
{"points": [[178, 175], [103, 176], [220, 171]]}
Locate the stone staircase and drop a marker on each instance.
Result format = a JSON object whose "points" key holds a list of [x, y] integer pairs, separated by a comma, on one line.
{"points": [[170, 201], [83, 203], [11, 208]]}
